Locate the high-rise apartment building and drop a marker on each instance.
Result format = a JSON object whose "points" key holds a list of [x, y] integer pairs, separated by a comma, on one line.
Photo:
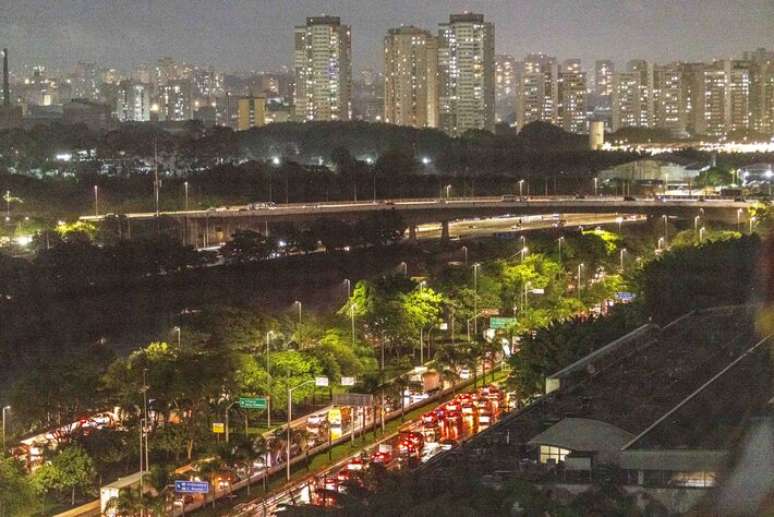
{"points": [[323, 66], [603, 77], [646, 106], [251, 112], [571, 107], [538, 92], [762, 96], [175, 101], [411, 77], [506, 77], [668, 102], [133, 102], [466, 73], [626, 106]]}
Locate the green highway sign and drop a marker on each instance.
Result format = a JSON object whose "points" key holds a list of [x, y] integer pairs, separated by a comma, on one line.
{"points": [[501, 323], [253, 403]]}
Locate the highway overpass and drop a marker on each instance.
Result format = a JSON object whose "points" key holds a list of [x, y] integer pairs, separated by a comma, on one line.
{"points": [[203, 228]]}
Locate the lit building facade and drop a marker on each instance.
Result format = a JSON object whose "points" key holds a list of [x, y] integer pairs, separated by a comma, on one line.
{"points": [[323, 66], [411, 77], [571, 109], [133, 102], [538, 91], [251, 112], [466, 74]]}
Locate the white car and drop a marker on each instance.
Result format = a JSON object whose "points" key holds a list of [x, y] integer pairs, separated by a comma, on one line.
{"points": [[465, 374]]}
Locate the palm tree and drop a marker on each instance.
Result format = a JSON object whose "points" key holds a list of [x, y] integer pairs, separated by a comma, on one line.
{"points": [[208, 469], [128, 503], [470, 358], [448, 359]]}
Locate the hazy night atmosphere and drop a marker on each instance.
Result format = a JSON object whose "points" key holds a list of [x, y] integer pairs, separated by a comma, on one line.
{"points": [[386, 257]]}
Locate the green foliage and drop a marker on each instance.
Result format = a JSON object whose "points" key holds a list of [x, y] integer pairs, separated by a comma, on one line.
{"points": [[718, 272], [69, 471], [550, 348], [609, 239], [714, 177], [17, 493], [248, 246]]}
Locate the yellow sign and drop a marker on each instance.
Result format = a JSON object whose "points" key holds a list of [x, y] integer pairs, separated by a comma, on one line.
{"points": [[218, 427], [334, 419]]}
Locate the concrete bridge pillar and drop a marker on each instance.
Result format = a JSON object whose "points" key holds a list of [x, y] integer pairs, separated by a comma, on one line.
{"points": [[412, 232], [444, 232]]}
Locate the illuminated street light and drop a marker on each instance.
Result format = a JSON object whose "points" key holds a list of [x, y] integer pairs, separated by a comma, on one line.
{"points": [[619, 220], [426, 160], [580, 269], [701, 234], [465, 252], [476, 267], [5, 408], [96, 200], [752, 221], [596, 186], [739, 220], [559, 243], [185, 189], [523, 253], [521, 188], [696, 223], [623, 252], [666, 229], [275, 160], [179, 332]]}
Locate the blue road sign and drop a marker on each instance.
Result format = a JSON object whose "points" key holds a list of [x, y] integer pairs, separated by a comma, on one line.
{"points": [[192, 487]]}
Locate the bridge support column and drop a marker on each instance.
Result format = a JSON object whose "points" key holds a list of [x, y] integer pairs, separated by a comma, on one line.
{"points": [[412, 232], [444, 232]]}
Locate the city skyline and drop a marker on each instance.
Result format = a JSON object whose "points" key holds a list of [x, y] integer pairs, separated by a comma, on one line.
{"points": [[244, 36]]}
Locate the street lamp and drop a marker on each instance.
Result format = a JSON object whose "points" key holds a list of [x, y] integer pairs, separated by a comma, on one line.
{"points": [[523, 253], [404, 267], [752, 221], [666, 228], [666, 182], [696, 223], [521, 188], [596, 187], [701, 234], [465, 252], [96, 200], [5, 408], [426, 161], [623, 252], [177, 329], [476, 267], [290, 420], [185, 189], [448, 191], [619, 220], [580, 268], [349, 287], [559, 243], [660, 244]]}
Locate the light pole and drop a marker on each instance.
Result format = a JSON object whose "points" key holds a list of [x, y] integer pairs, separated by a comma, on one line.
{"points": [[660, 244], [523, 252], [596, 187], [185, 189], [752, 221], [5, 408], [349, 287], [521, 188], [476, 266], [666, 182], [696, 223], [96, 200], [623, 252], [404, 267], [298, 303], [447, 189], [177, 329], [290, 419], [701, 234], [465, 252], [619, 220], [666, 229], [559, 243], [580, 268], [739, 220]]}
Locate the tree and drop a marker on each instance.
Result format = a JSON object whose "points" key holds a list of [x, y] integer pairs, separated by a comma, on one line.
{"points": [[17, 493], [248, 246], [70, 470], [333, 233]]}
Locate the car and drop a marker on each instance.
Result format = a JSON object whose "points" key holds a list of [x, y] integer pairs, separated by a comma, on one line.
{"points": [[629, 198], [580, 196], [465, 374], [429, 419], [315, 420], [739, 199], [508, 198], [381, 457]]}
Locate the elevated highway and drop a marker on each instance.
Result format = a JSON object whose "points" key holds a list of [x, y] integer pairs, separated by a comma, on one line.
{"points": [[210, 227]]}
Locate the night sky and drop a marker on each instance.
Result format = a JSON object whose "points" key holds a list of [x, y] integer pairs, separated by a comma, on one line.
{"points": [[242, 35]]}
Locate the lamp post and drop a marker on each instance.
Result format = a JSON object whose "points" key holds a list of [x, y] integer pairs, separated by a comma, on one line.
{"points": [[447, 190], [275, 161], [298, 303], [523, 240], [666, 182], [476, 266], [559, 243], [739, 220], [5, 408], [623, 252], [185, 190], [349, 287], [523, 252], [521, 188], [666, 229], [696, 223], [177, 329], [596, 187], [580, 269], [96, 200], [404, 267], [290, 419], [660, 244], [752, 221], [465, 252], [619, 220], [701, 234]]}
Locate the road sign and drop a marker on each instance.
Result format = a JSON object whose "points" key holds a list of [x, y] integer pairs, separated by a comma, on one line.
{"points": [[253, 402], [501, 322], [353, 399], [347, 381], [321, 381], [490, 312], [192, 487], [538, 291], [218, 427]]}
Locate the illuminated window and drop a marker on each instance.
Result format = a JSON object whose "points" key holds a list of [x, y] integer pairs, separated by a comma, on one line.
{"points": [[548, 452]]}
